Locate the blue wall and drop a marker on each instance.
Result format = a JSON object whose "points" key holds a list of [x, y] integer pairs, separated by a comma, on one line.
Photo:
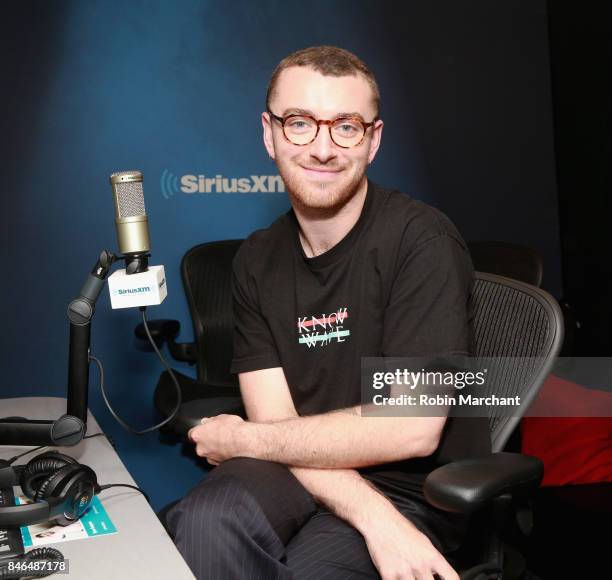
{"points": [[177, 88]]}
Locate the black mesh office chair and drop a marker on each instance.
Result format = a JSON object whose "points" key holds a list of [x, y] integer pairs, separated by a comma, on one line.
{"points": [[206, 271], [512, 319]]}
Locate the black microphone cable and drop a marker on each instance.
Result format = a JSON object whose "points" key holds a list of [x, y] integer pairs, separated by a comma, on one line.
{"points": [[13, 459], [179, 397], [146, 496]]}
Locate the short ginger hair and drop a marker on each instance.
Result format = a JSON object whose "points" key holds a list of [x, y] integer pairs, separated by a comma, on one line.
{"points": [[329, 61]]}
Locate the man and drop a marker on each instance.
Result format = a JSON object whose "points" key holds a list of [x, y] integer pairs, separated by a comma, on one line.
{"points": [[308, 487]]}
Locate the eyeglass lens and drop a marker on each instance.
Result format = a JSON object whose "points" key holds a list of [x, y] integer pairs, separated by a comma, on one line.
{"points": [[344, 132]]}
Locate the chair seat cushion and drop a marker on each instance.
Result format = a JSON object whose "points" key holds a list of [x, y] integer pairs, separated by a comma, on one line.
{"points": [[199, 399]]}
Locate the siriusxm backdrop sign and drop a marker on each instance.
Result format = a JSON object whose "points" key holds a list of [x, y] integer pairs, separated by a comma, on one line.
{"points": [[195, 184]]}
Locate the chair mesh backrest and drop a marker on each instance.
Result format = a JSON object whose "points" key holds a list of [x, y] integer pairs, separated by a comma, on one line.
{"points": [[513, 319], [207, 275]]}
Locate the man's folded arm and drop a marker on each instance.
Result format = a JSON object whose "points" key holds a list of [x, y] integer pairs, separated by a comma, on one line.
{"points": [[267, 400], [339, 439]]}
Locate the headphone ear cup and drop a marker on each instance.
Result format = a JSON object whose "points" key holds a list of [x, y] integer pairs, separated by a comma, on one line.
{"points": [[40, 468], [75, 486], [52, 485]]}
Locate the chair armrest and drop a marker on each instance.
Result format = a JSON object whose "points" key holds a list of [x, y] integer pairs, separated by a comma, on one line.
{"points": [[468, 485], [166, 331]]}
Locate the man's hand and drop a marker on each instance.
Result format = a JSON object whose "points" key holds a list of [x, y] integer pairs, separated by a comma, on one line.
{"points": [[219, 438], [400, 551]]}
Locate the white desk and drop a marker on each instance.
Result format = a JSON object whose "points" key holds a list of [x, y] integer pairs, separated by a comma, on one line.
{"points": [[141, 548]]}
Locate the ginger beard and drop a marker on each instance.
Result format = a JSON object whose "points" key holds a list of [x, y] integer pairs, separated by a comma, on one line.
{"points": [[326, 195]]}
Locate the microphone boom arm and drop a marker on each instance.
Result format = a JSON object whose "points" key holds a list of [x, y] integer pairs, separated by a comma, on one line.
{"points": [[70, 428], [80, 313]]}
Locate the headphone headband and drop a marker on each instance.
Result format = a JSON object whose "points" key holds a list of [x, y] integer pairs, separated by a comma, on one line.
{"points": [[28, 514]]}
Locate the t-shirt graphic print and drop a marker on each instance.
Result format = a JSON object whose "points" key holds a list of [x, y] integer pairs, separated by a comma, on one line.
{"points": [[319, 331]]}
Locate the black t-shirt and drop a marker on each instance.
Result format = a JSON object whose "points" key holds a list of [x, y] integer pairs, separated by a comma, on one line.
{"points": [[397, 285]]}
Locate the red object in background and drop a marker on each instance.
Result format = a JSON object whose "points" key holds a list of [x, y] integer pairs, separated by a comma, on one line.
{"points": [[569, 427]]}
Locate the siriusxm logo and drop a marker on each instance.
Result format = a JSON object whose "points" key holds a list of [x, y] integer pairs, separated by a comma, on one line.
{"points": [[141, 290], [190, 184]]}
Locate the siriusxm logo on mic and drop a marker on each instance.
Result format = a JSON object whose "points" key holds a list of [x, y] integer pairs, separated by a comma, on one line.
{"points": [[123, 291], [190, 184], [139, 290]]}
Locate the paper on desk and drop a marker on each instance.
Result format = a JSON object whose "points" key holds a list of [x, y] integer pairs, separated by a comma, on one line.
{"points": [[96, 522]]}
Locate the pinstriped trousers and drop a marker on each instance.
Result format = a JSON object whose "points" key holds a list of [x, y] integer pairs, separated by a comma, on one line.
{"points": [[251, 519]]}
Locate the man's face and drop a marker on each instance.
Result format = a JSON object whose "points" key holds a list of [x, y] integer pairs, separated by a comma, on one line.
{"points": [[321, 175]]}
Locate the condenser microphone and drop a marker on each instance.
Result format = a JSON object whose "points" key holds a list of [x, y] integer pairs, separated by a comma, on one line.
{"points": [[131, 220], [138, 284]]}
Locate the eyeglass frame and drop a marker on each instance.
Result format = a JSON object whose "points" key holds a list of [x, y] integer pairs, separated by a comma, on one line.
{"points": [[319, 122]]}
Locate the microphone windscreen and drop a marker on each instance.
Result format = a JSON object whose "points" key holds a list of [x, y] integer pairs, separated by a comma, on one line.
{"points": [[128, 194]]}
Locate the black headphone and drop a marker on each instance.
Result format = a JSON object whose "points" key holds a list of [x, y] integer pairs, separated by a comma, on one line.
{"points": [[61, 487]]}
